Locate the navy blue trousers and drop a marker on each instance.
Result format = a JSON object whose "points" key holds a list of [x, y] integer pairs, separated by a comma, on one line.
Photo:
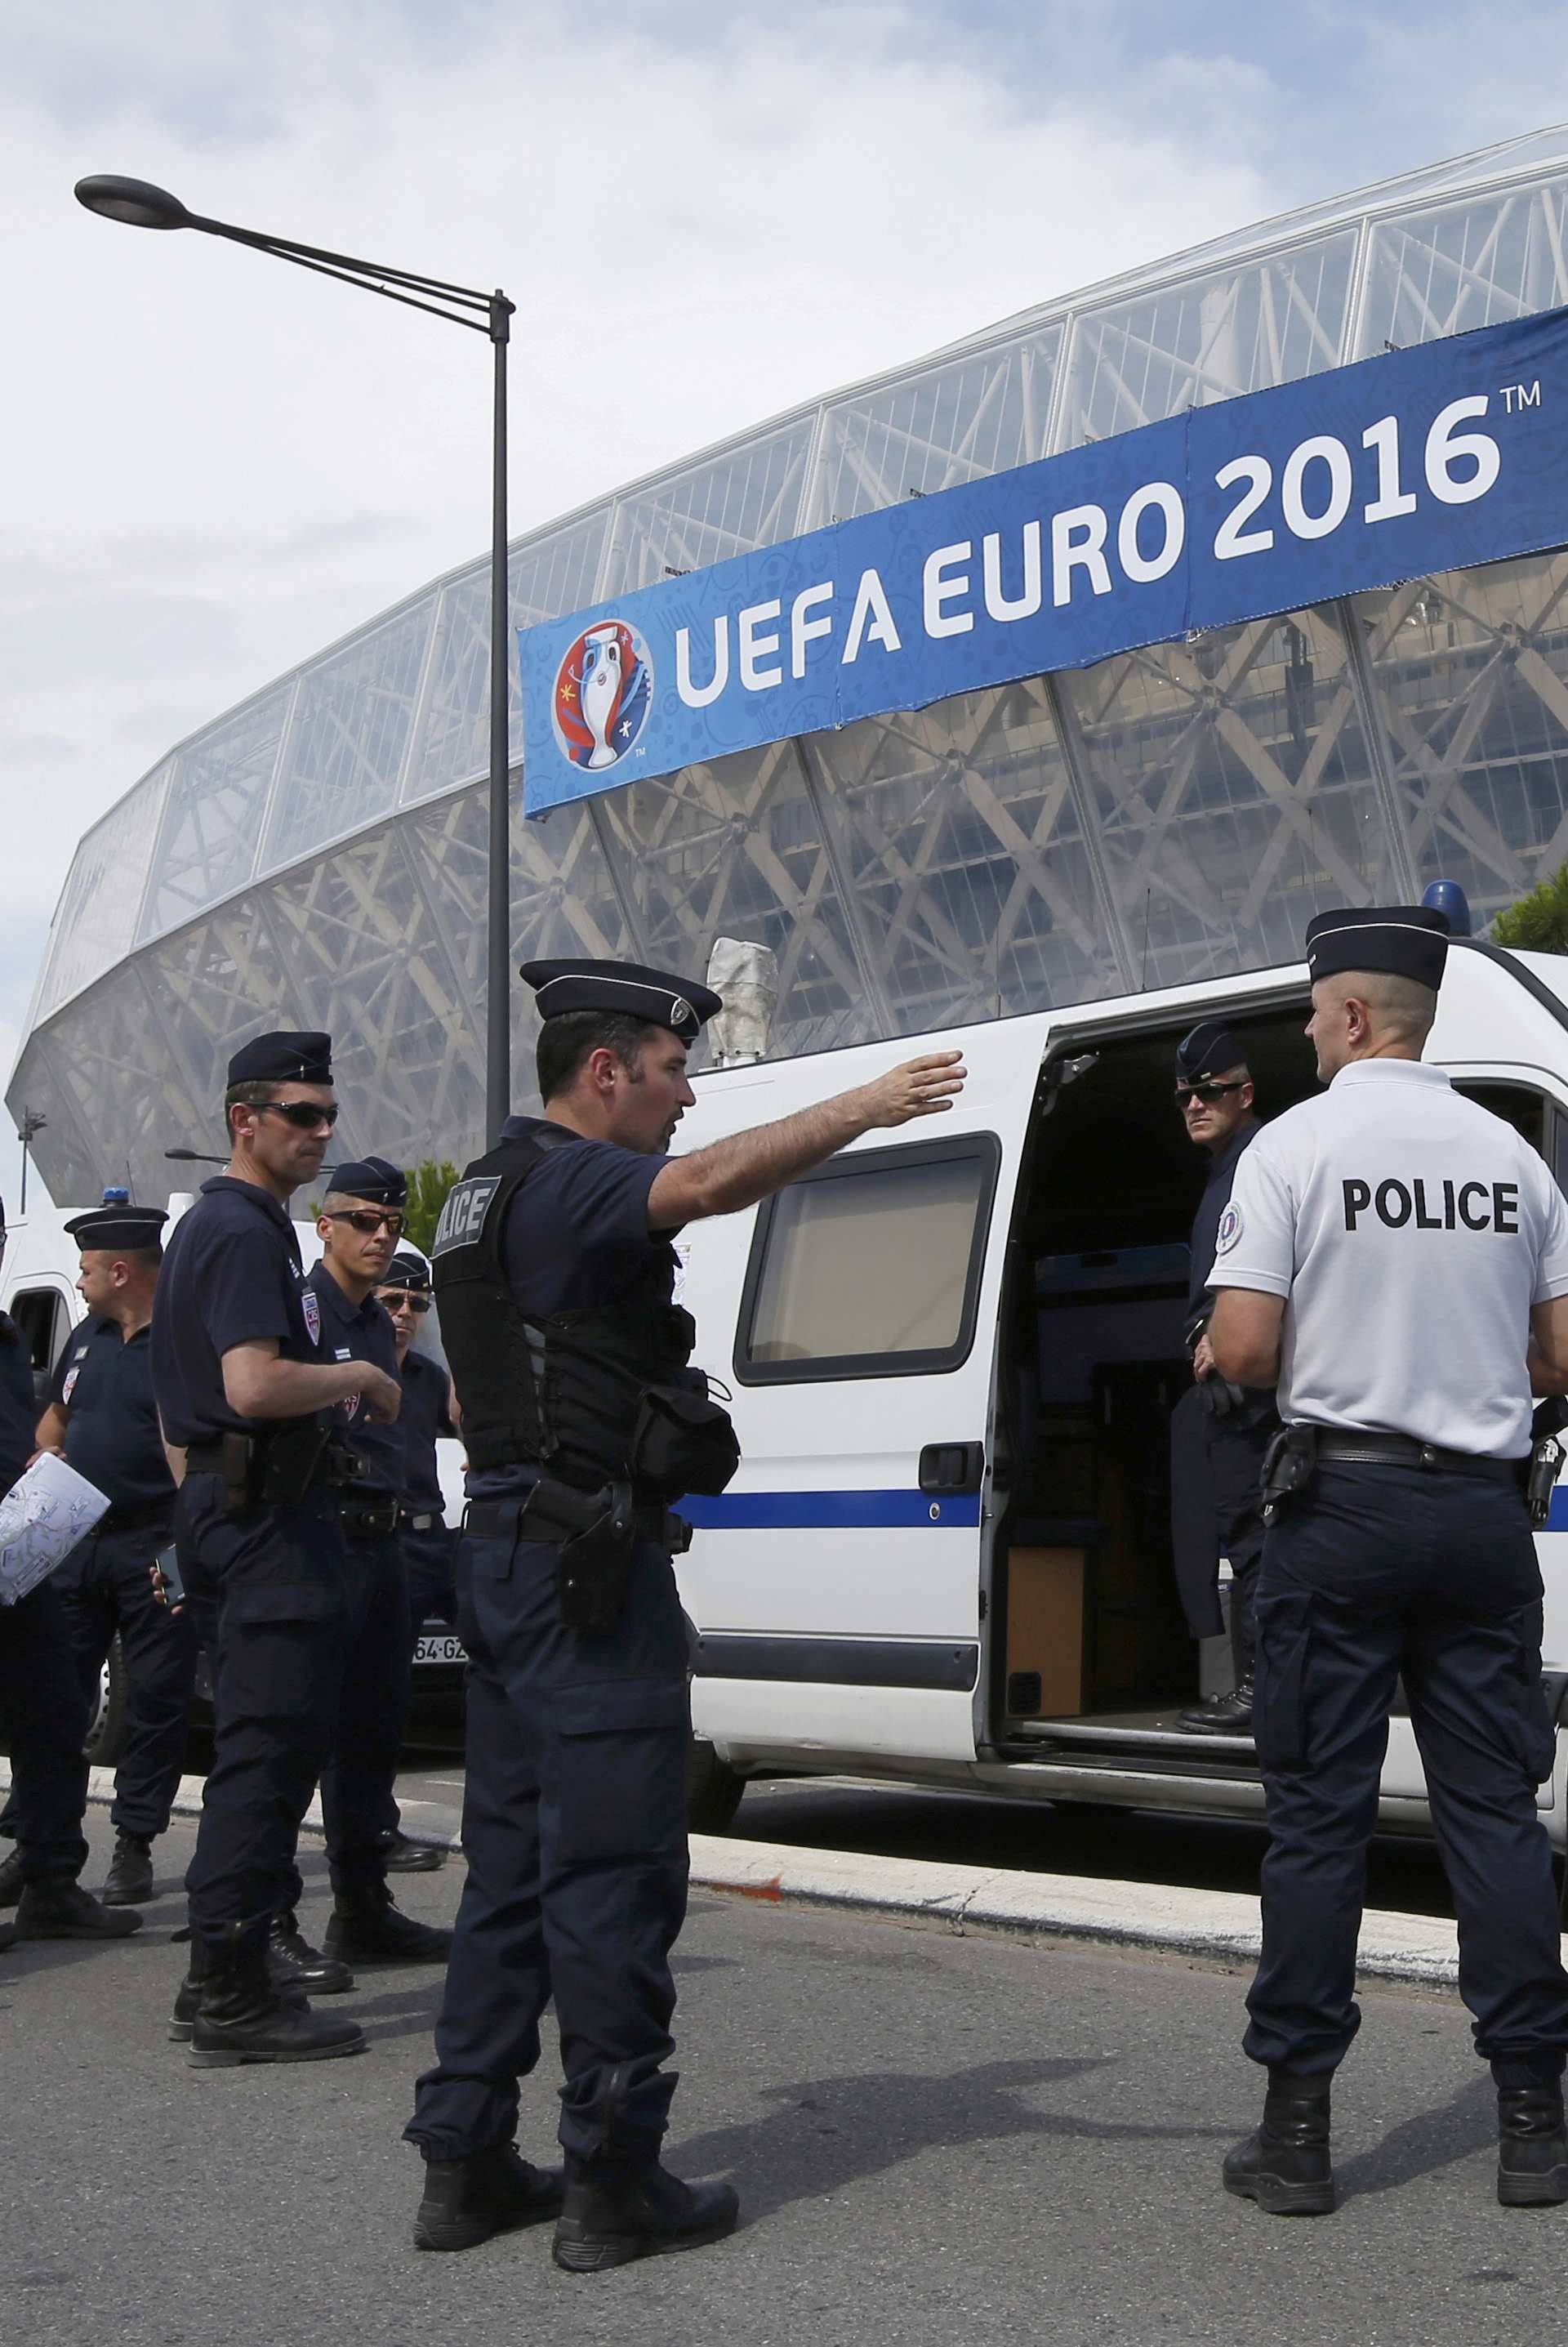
{"points": [[1375, 1573], [44, 1716], [573, 1827], [430, 1563], [280, 1599], [372, 1715], [1235, 1447], [106, 1586]]}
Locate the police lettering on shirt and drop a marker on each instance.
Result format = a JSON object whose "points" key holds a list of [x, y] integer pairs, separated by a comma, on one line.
{"points": [[1410, 1232]]}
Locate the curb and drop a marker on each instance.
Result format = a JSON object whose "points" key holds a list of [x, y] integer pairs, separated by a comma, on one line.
{"points": [[1213, 1927]]}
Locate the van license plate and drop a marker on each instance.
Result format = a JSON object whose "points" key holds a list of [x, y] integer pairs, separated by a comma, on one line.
{"points": [[445, 1649]]}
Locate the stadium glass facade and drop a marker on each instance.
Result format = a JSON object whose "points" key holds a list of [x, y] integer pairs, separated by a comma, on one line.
{"points": [[316, 856]]}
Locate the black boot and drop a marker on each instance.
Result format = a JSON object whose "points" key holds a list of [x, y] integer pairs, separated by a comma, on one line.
{"points": [[618, 2210], [187, 2001], [1532, 2147], [8, 1935], [293, 1963], [401, 1856], [56, 1908], [1221, 1715], [128, 1883], [491, 2191], [1286, 2167], [243, 2016], [366, 1927], [11, 1877]]}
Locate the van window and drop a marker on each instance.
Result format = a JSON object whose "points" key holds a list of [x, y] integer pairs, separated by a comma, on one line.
{"points": [[870, 1266], [43, 1320]]}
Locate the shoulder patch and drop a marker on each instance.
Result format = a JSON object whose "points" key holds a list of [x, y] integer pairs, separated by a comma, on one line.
{"points": [[310, 1304], [1229, 1229], [462, 1215]]}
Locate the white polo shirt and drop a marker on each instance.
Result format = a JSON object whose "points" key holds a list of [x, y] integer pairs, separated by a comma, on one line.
{"points": [[1410, 1232]]}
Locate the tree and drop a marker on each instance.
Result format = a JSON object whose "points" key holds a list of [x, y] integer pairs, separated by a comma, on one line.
{"points": [[427, 1188], [1539, 922]]}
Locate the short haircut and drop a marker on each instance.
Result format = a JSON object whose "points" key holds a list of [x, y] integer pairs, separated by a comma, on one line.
{"points": [[338, 1202], [565, 1043], [140, 1258], [254, 1094], [1401, 1006]]}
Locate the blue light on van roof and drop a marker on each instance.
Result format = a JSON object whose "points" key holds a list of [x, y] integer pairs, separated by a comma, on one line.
{"points": [[1448, 897]]}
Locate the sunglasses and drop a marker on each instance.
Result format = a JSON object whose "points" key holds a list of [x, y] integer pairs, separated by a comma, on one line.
{"points": [[399, 1299], [304, 1113], [1207, 1093], [371, 1218]]}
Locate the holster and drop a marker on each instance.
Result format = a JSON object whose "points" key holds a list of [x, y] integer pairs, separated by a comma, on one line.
{"points": [[1542, 1467], [1289, 1464], [597, 1531], [292, 1458]]}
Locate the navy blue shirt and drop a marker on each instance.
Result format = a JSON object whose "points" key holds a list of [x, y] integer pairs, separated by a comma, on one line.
{"points": [[103, 1384], [361, 1332], [231, 1276], [423, 1417], [575, 1239], [18, 1405], [1210, 1206]]}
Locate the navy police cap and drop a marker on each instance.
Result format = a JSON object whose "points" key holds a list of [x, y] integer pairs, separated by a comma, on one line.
{"points": [[375, 1178], [1208, 1051], [285, 1058], [624, 986], [107, 1227], [1396, 940], [409, 1271]]}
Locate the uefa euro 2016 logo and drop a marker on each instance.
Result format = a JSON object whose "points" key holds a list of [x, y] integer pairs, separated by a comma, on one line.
{"points": [[603, 689]]}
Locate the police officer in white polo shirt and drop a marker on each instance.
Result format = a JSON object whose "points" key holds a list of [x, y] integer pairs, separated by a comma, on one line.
{"points": [[1390, 1253]]}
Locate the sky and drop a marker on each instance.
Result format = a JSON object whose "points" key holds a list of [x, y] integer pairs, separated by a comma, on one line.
{"points": [[706, 211]]}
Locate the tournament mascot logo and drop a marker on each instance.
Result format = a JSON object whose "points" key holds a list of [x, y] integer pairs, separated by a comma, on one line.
{"points": [[603, 689]]}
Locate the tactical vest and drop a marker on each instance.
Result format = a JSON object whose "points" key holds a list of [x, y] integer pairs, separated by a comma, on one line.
{"points": [[561, 1390]]}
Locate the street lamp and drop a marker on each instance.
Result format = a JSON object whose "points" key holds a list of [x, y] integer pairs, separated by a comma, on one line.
{"points": [[139, 204]]}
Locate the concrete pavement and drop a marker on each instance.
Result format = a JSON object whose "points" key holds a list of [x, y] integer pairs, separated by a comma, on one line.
{"points": [[935, 2138]]}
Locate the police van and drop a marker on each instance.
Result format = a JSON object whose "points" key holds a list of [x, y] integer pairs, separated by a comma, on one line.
{"points": [[37, 1288], [953, 1353]]}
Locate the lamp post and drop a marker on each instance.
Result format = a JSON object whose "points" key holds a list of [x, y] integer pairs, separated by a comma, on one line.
{"points": [[139, 204]]}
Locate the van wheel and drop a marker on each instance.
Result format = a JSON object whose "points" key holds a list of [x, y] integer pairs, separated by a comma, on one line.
{"points": [[712, 1789], [107, 1730]]}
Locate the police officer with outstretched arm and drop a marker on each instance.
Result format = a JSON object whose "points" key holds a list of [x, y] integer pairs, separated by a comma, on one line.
{"points": [[1219, 1432], [1392, 1251], [245, 1392], [583, 1423]]}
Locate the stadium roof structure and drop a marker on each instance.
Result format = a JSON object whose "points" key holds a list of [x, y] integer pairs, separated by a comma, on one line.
{"points": [[316, 856]]}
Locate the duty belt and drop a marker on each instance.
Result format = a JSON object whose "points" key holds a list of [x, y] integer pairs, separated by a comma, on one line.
{"points": [[362, 1520], [553, 1511], [408, 1521], [135, 1515], [1346, 1449]]}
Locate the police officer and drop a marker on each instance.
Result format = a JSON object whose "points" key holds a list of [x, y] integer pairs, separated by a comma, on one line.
{"points": [[102, 1419], [245, 1389], [44, 1714], [429, 1542], [1391, 1249], [1219, 1432], [360, 1222], [582, 1420]]}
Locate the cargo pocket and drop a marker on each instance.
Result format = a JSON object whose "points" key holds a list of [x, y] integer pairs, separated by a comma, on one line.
{"points": [[1532, 1731], [1283, 1639], [280, 1646], [621, 1746]]}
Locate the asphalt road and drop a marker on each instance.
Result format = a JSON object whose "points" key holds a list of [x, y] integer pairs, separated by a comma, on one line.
{"points": [[1132, 1846], [935, 2138]]}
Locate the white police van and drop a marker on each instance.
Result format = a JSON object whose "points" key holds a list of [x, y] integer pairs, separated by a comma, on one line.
{"points": [[37, 1288], [954, 1352]]}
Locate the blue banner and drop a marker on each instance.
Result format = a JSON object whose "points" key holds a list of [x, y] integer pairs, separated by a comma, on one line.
{"points": [[1423, 460]]}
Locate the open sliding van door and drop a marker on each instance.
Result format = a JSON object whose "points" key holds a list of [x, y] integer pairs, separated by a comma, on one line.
{"points": [[836, 1584]]}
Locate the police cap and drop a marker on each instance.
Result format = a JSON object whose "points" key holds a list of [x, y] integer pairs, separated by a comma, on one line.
{"points": [[1398, 940], [409, 1271], [110, 1228], [624, 986], [285, 1058], [1207, 1051], [384, 1184]]}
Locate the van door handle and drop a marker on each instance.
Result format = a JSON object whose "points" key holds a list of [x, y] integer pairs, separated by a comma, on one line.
{"points": [[951, 1466]]}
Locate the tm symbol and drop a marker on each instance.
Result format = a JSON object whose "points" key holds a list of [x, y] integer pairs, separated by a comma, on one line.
{"points": [[1518, 395]]}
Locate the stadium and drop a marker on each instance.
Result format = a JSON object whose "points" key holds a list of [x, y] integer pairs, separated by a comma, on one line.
{"points": [[316, 856]]}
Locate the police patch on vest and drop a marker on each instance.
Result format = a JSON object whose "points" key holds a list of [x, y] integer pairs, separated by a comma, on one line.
{"points": [[463, 1217], [309, 1304], [1229, 1229]]}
